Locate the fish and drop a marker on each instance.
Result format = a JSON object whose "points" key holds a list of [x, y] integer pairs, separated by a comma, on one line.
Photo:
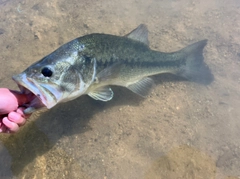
{"points": [[91, 64]]}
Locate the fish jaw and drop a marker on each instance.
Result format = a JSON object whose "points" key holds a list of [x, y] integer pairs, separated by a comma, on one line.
{"points": [[44, 95]]}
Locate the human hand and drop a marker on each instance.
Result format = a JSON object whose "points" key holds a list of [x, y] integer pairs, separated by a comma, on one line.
{"points": [[11, 112]]}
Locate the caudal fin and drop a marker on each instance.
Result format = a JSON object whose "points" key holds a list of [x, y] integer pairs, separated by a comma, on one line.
{"points": [[195, 68]]}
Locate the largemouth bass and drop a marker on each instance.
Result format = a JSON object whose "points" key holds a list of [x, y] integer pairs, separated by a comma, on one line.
{"points": [[92, 63]]}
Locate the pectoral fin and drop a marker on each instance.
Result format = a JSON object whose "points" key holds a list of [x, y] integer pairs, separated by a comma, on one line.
{"points": [[142, 87], [109, 73], [103, 93]]}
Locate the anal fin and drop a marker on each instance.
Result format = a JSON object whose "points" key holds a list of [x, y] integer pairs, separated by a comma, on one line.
{"points": [[142, 87], [104, 93]]}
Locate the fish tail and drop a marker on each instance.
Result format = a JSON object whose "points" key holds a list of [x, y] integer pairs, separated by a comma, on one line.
{"points": [[195, 69]]}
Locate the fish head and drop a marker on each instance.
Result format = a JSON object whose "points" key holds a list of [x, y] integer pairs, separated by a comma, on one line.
{"points": [[54, 79]]}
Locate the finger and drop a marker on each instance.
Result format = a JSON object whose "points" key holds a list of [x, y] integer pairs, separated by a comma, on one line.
{"points": [[1, 125], [16, 118], [11, 126], [8, 101], [3, 128], [20, 110]]}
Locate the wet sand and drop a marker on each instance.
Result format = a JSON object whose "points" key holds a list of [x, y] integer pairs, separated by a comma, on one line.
{"points": [[181, 130]]}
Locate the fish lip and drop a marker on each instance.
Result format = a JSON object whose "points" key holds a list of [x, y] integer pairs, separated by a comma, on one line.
{"points": [[27, 86]]}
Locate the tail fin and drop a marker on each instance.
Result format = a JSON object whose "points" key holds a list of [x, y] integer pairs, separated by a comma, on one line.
{"points": [[195, 69]]}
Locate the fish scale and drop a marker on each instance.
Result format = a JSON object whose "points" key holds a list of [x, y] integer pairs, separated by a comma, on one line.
{"points": [[92, 63]]}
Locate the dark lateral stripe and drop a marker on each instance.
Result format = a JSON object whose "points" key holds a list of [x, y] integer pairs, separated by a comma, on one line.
{"points": [[170, 64]]}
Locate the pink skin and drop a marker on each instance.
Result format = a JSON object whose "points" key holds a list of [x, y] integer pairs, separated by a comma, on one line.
{"points": [[11, 112]]}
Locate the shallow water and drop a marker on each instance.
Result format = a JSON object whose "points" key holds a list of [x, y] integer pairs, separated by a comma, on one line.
{"points": [[182, 130]]}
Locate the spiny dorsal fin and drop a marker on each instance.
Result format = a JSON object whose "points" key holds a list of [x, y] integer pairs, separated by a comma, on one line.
{"points": [[139, 34], [103, 93], [142, 87]]}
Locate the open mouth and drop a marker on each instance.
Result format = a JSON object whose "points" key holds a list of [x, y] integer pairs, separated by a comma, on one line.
{"points": [[36, 98], [34, 102]]}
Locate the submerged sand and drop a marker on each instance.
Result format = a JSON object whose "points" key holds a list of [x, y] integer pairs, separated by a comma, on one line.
{"points": [[181, 130]]}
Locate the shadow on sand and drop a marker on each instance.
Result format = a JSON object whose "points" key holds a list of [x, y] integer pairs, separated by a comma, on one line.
{"points": [[39, 136]]}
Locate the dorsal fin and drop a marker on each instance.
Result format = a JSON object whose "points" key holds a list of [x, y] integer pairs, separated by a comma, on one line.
{"points": [[139, 34]]}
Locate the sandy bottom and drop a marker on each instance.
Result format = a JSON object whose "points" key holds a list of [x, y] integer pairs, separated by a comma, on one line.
{"points": [[181, 130]]}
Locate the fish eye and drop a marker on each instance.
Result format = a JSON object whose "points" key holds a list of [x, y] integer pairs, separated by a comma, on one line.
{"points": [[47, 72]]}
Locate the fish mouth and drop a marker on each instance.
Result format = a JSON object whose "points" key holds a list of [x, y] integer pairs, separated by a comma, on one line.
{"points": [[38, 94]]}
